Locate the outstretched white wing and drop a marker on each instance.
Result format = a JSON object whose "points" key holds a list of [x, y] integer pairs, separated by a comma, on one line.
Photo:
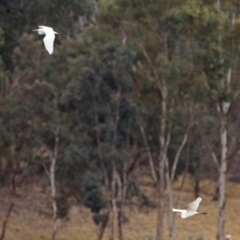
{"points": [[48, 41], [193, 206], [178, 210]]}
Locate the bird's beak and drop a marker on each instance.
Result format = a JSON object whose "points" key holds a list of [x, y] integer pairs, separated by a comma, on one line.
{"points": [[57, 33], [35, 29]]}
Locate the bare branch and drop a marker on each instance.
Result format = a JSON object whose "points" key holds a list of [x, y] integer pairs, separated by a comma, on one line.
{"points": [[184, 178], [134, 162], [124, 36], [215, 160], [149, 62], [46, 170], [153, 172], [179, 151]]}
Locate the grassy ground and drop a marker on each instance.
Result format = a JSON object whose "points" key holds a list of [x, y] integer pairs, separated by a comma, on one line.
{"points": [[26, 223]]}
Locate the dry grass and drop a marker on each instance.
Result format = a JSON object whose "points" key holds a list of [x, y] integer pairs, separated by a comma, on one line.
{"points": [[28, 225]]}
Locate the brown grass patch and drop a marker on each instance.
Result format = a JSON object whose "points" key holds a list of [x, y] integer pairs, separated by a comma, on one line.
{"points": [[27, 225]]}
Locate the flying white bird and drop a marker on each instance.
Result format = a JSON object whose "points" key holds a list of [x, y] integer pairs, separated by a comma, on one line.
{"points": [[191, 210], [49, 38]]}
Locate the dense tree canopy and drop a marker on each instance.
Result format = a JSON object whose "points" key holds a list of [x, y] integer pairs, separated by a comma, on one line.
{"points": [[129, 83]]}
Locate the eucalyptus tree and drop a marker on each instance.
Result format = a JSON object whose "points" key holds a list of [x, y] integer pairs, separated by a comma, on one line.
{"points": [[215, 60], [99, 99], [162, 68], [38, 86]]}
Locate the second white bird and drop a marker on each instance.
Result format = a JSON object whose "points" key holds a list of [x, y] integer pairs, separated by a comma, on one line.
{"points": [[191, 210], [49, 38]]}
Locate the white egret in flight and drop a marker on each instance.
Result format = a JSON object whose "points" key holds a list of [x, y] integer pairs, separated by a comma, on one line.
{"points": [[191, 209], [49, 38]]}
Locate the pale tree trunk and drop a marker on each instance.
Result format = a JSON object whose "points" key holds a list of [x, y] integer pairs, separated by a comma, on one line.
{"points": [[171, 226], [159, 182], [53, 159], [51, 175], [223, 110], [114, 208], [223, 165], [113, 221], [53, 155], [164, 139], [168, 174]]}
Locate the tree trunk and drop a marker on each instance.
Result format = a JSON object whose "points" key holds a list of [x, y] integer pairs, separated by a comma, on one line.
{"points": [[102, 227], [4, 226], [222, 178], [170, 175], [161, 163], [160, 206], [53, 194], [150, 158], [122, 186], [171, 224], [101, 232], [196, 186], [53, 159], [113, 206]]}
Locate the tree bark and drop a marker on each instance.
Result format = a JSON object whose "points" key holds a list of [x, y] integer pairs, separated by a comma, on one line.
{"points": [[150, 158], [196, 186], [170, 174], [120, 206], [164, 141], [171, 224], [53, 194], [222, 176], [113, 206], [102, 227], [6, 221], [53, 159]]}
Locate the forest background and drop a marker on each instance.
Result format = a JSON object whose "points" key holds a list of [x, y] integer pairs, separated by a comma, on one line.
{"points": [[136, 111]]}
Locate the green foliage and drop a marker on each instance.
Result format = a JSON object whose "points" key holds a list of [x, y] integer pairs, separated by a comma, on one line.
{"points": [[134, 192], [93, 197], [103, 80], [63, 207], [101, 219], [17, 19]]}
